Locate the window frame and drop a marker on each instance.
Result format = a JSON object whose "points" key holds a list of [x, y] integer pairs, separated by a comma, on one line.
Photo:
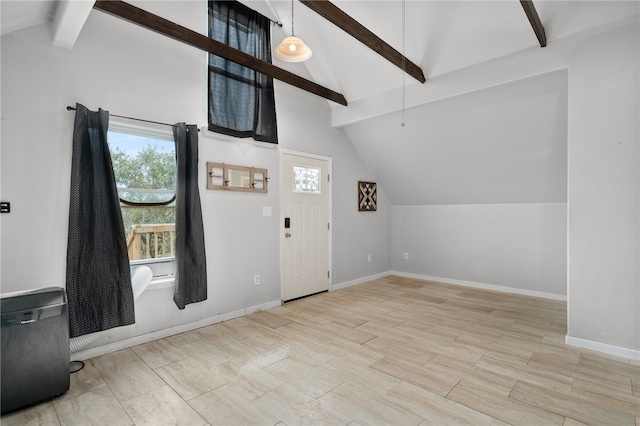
{"points": [[162, 267]]}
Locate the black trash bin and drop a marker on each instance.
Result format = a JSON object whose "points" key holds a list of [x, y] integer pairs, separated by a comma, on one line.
{"points": [[35, 347]]}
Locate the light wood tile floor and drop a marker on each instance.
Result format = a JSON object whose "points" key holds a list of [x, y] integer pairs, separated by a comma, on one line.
{"points": [[393, 351]]}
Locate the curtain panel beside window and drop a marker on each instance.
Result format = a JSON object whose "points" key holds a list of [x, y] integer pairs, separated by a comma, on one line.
{"points": [[191, 265], [241, 100], [98, 280]]}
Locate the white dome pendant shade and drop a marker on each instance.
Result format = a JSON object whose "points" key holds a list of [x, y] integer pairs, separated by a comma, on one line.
{"points": [[293, 49]]}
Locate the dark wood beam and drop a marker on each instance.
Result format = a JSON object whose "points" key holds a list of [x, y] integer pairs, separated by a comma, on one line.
{"points": [[333, 14], [185, 35], [534, 19]]}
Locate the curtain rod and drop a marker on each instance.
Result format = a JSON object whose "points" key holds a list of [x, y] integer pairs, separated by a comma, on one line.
{"points": [[70, 108]]}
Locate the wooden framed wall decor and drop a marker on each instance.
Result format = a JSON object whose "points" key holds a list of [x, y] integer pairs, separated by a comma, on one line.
{"points": [[228, 177], [367, 196]]}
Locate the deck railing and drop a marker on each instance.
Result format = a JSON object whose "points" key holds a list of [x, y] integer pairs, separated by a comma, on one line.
{"points": [[151, 241]]}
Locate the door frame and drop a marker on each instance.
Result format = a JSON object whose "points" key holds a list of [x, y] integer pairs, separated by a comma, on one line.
{"points": [[329, 161]]}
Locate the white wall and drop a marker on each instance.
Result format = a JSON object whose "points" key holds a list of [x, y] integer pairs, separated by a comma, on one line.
{"points": [[603, 255], [134, 72], [604, 189], [481, 199], [515, 246], [355, 234]]}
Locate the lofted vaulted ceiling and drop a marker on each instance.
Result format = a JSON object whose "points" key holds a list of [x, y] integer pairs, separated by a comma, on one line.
{"points": [[500, 145], [440, 36], [438, 158], [22, 14]]}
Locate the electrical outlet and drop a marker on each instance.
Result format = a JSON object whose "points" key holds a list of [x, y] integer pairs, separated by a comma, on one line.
{"points": [[406, 256], [369, 258], [256, 280], [266, 211]]}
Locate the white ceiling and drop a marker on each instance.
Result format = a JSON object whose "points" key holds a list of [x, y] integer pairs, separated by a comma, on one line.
{"points": [[440, 36], [22, 14], [506, 144]]}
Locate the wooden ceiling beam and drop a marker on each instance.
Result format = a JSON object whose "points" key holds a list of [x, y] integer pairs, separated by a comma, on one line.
{"points": [[335, 15], [534, 20], [177, 32]]}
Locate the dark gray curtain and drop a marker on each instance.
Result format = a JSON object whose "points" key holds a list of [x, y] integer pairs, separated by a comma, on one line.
{"points": [[191, 266], [98, 275], [241, 101]]}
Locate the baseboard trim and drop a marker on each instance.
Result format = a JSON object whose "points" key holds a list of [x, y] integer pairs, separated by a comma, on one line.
{"points": [[359, 281], [262, 307], [603, 347], [493, 287], [161, 334]]}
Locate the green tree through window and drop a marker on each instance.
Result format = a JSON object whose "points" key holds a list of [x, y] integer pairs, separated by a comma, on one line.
{"points": [[145, 172]]}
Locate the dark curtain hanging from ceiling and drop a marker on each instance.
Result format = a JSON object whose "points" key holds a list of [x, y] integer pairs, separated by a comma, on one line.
{"points": [[191, 265], [241, 100], [99, 290]]}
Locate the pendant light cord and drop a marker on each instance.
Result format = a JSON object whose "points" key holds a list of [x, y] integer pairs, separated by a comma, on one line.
{"points": [[292, 32], [404, 73]]}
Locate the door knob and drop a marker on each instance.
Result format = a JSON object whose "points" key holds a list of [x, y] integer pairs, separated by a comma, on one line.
{"points": [[287, 235]]}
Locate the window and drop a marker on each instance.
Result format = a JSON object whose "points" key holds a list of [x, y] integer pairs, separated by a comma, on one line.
{"points": [[306, 180], [144, 164], [241, 100]]}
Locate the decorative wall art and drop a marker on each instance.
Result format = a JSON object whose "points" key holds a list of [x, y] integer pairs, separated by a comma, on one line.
{"points": [[367, 196], [236, 178]]}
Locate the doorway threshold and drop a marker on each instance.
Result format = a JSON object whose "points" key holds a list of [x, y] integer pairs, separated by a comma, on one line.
{"points": [[305, 296]]}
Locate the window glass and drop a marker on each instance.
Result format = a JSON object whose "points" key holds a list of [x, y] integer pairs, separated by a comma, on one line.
{"points": [[306, 180], [145, 171], [241, 100]]}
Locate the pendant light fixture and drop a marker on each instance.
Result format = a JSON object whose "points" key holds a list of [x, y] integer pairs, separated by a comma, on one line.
{"points": [[292, 49]]}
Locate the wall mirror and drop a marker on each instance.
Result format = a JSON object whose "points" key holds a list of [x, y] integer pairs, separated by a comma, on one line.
{"points": [[228, 177]]}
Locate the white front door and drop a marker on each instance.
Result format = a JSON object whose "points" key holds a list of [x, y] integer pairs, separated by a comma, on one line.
{"points": [[306, 226]]}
